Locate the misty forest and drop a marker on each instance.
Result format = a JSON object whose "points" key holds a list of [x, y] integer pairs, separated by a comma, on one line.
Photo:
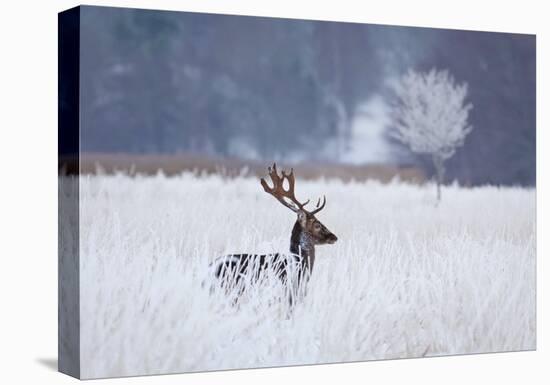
{"points": [[296, 90]]}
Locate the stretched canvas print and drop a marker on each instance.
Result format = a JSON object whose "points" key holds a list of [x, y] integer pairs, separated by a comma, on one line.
{"points": [[244, 192]]}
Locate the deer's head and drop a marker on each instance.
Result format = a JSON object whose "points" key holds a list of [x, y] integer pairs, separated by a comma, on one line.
{"points": [[306, 219]]}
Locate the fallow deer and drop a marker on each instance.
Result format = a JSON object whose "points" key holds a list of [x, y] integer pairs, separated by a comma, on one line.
{"points": [[307, 232]]}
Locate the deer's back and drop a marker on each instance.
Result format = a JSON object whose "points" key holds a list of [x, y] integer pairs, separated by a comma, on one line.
{"points": [[239, 266]]}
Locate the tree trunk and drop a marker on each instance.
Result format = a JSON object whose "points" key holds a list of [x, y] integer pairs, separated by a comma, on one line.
{"points": [[439, 173]]}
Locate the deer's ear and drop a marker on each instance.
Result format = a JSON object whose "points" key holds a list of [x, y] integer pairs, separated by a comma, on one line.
{"points": [[302, 218]]}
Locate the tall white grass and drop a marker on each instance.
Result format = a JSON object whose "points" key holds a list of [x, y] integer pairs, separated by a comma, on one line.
{"points": [[405, 279]]}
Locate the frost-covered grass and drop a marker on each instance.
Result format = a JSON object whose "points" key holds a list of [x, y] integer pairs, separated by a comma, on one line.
{"points": [[405, 279]]}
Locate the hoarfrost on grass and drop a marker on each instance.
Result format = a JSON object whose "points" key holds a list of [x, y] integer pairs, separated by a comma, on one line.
{"points": [[405, 279]]}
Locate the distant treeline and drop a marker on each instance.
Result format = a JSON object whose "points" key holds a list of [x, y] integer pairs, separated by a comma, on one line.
{"points": [[169, 165], [264, 88]]}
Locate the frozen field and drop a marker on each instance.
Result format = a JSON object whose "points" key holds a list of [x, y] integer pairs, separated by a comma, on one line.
{"points": [[405, 279]]}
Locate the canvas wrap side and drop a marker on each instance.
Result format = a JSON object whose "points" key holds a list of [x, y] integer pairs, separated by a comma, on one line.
{"points": [[68, 192]]}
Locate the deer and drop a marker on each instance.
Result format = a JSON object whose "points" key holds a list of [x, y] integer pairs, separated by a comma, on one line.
{"points": [[307, 233]]}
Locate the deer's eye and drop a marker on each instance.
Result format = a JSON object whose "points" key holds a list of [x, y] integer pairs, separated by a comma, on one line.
{"points": [[317, 226]]}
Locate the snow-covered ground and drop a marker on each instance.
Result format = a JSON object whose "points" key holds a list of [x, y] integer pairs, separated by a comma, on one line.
{"points": [[405, 279]]}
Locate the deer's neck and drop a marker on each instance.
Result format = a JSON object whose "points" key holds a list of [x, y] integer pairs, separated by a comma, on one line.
{"points": [[301, 243]]}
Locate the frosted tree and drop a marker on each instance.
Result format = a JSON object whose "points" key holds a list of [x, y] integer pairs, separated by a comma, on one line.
{"points": [[431, 116]]}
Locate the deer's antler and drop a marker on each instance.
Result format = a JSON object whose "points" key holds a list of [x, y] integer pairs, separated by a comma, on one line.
{"points": [[319, 207], [279, 192]]}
